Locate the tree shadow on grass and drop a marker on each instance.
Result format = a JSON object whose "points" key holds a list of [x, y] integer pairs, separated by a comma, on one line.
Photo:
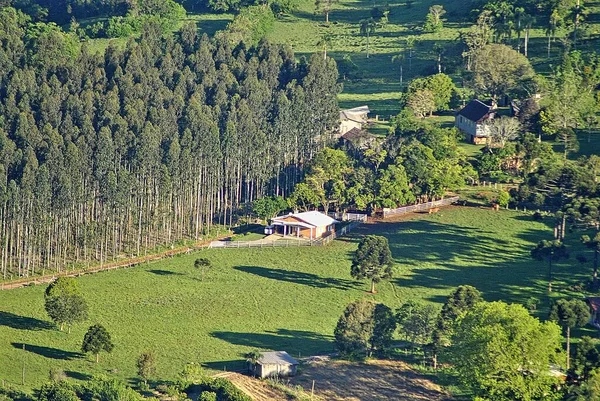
{"points": [[47, 352], [160, 272], [308, 279], [77, 375], [294, 342], [23, 322]]}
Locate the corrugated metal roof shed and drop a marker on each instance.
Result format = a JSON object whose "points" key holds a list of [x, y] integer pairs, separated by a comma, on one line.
{"points": [[276, 358]]}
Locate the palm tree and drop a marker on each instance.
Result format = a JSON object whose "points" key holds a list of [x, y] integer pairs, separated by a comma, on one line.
{"points": [[410, 45], [552, 27], [399, 58], [325, 42], [528, 21], [367, 27]]}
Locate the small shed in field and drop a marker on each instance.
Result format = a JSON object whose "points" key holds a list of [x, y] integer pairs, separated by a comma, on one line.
{"points": [[310, 225], [275, 363]]}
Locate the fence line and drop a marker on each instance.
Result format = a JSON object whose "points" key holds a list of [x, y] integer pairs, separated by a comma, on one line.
{"points": [[420, 207], [285, 243]]}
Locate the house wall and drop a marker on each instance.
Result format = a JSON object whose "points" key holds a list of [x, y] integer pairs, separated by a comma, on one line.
{"points": [[347, 125], [318, 232], [271, 370], [467, 126]]}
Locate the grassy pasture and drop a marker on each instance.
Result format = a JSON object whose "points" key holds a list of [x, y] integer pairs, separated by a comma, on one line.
{"points": [[279, 298]]}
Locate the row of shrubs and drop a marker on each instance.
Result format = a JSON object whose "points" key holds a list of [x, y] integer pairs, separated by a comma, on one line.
{"points": [[217, 389]]}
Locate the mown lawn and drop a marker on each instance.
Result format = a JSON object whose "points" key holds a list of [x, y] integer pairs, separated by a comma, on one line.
{"points": [[284, 298]]}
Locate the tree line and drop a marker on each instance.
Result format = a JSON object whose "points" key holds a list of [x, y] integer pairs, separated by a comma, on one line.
{"points": [[107, 155]]}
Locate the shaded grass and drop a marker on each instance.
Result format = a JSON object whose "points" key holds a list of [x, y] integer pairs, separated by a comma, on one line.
{"points": [[274, 298]]}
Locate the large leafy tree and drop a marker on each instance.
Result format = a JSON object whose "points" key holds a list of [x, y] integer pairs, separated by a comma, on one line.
{"points": [[502, 353], [146, 366], [372, 260], [96, 340], [417, 321], [364, 328], [64, 302], [268, 207], [569, 314], [499, 70]]}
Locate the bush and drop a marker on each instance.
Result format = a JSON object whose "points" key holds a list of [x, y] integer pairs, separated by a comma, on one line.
{"points": [[223, 388]]}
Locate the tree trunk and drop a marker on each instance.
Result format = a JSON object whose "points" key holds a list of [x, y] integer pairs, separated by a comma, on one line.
{"points": [[327, 17], [97, 357], [550, 274], [373, 291], [568, 347], [401, 75]]}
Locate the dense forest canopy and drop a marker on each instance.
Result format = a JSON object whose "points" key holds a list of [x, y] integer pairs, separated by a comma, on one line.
{"points": [[107, 155]]}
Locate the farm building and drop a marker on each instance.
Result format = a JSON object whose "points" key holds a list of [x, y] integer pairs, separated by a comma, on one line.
{"points": [[357, 139], [471, 120], [311, 225], [275, 363], [594, 303], [353, 118]]}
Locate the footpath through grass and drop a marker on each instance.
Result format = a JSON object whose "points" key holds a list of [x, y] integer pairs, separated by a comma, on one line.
{"points": [[281, 299]]}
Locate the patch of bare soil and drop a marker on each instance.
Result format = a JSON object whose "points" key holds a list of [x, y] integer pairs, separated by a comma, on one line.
{"points": [[370, 381], [254, 388]]}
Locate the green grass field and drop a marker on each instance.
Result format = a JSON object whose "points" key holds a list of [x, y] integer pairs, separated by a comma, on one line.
{"points": [[283, 298]]}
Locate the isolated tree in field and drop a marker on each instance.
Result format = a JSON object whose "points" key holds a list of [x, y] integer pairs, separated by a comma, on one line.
{"points": [[96, 340], [202, 264], [433, 20], [502, 353], [552, 27], [422, 103], [594, 244], [268, 207], [367, 28], [550, 251], [586, 358], [461, 300], [411, 41], [499, 70], [569, 314], [64, 303], [440, 85], [146, 366], [372, 260], [416, 321], [503, 129], [528, 22], [364, 327], [324, 7], [399, 59], [325, 43]]}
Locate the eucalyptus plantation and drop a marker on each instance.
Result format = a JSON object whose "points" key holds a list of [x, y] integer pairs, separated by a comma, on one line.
{"points": [[106, 155]]}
